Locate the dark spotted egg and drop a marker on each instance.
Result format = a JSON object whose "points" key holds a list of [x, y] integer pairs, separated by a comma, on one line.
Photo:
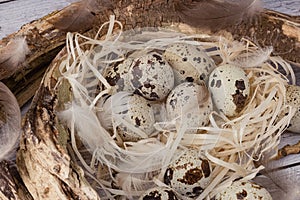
{"points": [[293, 99], [131, 114], [159, 193], [117, 76], [151, 76], [243, 190], [190, 63], [230, 88], [191, 103], [190, 174]]}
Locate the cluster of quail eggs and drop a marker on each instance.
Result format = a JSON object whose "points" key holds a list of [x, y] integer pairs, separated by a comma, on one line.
{"points": [[183, 78], [185, 81]]}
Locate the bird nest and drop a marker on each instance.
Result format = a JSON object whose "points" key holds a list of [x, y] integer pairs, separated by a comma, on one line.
{"points": [[126, 169]]}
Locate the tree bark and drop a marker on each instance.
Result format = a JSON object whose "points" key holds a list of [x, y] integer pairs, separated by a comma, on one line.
{"points": [[12, 186]]}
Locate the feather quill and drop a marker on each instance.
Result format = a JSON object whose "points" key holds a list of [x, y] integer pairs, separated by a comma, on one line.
{"points": [[217, 14], [12, 56], [10, 123], [79, 16]]}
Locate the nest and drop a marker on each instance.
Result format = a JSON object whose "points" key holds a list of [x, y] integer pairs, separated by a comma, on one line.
{"points": [[232, 145]]}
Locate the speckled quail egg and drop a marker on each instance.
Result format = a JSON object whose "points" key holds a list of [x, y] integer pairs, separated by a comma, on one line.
{"points": [[241, 190], [190, 63], [230, 88], [190, 174], [159, 193], [117, 76], [131, 114], [190, 102], [151, 76], [293, 99]]}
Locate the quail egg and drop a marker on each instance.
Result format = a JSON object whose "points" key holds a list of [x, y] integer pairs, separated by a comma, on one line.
{"points": [[190, 174], [293, 99], [117, 76], [159, 193], [191, 103], [230, 88], [190, 63], [151, 76], [241, 190], [131, 114]]}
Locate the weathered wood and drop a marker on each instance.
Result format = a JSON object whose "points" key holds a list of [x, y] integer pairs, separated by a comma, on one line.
{"points": [[15, 13], [12, 186], [280, 31], [43, 151], [290, 7]]}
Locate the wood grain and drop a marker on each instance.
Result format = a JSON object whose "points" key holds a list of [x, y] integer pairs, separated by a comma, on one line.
{"points": [[291, 7], [14, 14]]}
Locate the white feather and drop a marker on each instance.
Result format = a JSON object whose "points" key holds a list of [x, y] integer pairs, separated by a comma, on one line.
{"points": [[253, 59], [86, 125], [99, 142], [111, 109], [135, 184], [10, 123], [12, 56], [282, 175]]}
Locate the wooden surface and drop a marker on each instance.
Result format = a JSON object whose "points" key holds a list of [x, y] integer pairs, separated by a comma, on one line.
{"points": [[15, 13], [291, 7]]}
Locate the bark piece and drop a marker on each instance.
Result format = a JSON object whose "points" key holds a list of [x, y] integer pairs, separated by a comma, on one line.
{"points": [[12, 187], [43, 160]]}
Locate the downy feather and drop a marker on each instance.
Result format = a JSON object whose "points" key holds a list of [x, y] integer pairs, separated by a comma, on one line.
{"points": [[86, 125], [285, 177], [12, 56], [10, 123], [133, 184], [217, 14], [99, 142], [79, 16]]}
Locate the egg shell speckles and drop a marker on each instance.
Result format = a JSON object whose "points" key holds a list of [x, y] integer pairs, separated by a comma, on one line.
{"points": [[230, 88], [159, 193], [141, 115], [133, 109], [117, 76], [191, 102], [293, 99], [151, 76], [189, 174], [190, 63], [244, 191]]}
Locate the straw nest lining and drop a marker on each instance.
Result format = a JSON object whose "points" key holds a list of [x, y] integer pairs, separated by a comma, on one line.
{"points": [[231, 144]]}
